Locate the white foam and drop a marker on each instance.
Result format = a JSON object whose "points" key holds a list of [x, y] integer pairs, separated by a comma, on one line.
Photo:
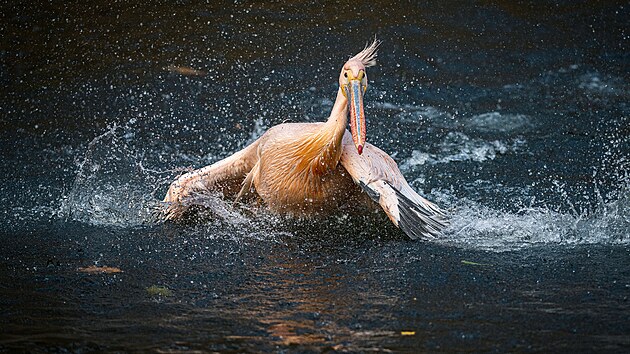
{"points": [[593, 82], [458, 146], [477, 226], [498, 122], [414, 113]]}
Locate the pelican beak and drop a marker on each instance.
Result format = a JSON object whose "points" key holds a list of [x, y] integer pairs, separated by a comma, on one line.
{"points": [[354, 93]]}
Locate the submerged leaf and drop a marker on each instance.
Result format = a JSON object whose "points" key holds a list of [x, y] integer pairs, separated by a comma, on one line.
{"points": [[156, 290]]}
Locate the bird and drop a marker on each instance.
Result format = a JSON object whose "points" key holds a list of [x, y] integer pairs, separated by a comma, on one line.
{"points": [[309, 169]]}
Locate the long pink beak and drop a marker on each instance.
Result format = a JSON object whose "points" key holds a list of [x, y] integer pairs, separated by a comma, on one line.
{"points": [[354, 92]]}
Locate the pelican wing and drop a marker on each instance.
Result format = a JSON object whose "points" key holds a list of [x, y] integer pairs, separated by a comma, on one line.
{"points": [[225, 176], [379, 176]]}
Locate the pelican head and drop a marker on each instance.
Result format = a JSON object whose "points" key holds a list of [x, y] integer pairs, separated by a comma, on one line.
{"points": [[353, 83]]}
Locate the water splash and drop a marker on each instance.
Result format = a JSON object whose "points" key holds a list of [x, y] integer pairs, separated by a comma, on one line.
{"points": [[458, 146], [259, 129], [112, 186], [414, 113], [495, 122], [478, 226], [593, 82]]}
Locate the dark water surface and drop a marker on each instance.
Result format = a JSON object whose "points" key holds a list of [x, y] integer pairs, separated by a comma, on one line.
{"points": [[514, 116]]}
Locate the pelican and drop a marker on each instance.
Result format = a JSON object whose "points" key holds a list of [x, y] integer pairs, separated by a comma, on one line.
{"points": [[308, 169]]}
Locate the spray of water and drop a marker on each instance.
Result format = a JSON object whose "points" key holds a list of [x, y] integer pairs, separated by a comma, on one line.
{"points": [[113, 188]]}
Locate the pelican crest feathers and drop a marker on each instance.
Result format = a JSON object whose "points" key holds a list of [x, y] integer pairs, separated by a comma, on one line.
{"points": [[368, 55]]}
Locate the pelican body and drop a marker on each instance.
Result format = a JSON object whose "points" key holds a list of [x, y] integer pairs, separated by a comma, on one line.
{"points": [[316, 168]]}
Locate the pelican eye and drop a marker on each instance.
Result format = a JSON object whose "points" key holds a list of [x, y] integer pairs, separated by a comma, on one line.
{"points": [[345, 74]]}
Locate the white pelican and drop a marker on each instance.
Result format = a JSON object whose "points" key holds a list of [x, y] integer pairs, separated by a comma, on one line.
{"points": [[316, 168]]}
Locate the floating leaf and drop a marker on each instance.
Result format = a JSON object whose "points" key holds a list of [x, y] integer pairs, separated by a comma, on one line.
{"points": [[408, 333], [99, 270], [185, 70], [475, 263]]}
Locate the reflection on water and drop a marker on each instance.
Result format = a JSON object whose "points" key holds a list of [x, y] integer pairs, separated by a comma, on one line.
{"points": [[299, 296], [512, 115]]}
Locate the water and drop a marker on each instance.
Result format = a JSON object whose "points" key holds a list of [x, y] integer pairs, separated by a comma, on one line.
{"points": [[512, 116]]}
